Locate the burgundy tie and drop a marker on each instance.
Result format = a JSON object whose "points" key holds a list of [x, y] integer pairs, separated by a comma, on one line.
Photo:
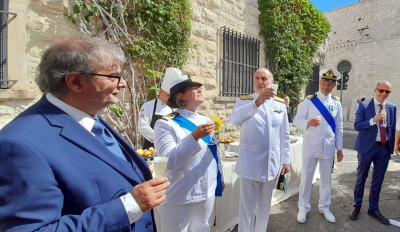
{"points": [[382, 129]]}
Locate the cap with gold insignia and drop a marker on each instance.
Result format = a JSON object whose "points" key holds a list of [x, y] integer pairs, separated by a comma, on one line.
{"points": [[330, 75], [180, 82]]}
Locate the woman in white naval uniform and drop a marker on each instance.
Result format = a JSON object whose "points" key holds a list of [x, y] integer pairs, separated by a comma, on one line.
{"points": [[264, 149], [192, 169]]}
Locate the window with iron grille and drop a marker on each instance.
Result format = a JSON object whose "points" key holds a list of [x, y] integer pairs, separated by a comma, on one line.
{"points": [[240, 60], [3, 44]]}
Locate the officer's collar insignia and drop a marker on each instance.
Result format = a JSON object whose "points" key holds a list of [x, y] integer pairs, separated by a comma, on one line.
{"points": [[170, 116], [246, 97], [279, 99], [311, 96]]}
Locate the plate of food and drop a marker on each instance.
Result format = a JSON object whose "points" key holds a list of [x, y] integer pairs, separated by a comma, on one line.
{"points": [[226, 140], [147, 153]]}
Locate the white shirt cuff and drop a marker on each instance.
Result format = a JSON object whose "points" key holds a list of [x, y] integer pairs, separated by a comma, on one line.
{"points": [[131, 207], [371, 122]]}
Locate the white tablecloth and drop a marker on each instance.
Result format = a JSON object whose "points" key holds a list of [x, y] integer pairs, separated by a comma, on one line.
{"points": [[227, 206]]}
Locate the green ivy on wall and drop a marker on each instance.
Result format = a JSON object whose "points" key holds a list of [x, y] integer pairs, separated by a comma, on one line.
{"points": [[293, 32], [154, 34]]}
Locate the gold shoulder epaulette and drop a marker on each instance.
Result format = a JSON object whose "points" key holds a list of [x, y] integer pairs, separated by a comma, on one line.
{"points": [[246, 97], [279, 99], [170, 116], [335, 97], [311, 96]]}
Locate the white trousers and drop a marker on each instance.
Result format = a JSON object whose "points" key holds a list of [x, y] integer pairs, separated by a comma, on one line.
{"points": [[192, 217], [307, 174], [255, 204]]}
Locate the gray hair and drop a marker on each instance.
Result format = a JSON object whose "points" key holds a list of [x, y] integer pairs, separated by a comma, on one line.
{"points": [[81, 55]]}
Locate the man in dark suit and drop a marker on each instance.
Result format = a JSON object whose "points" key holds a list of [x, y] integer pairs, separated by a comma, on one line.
{"points": [[56, 174], [375, 123]]}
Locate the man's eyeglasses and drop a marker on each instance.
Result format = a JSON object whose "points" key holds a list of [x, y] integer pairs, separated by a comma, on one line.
{"points": [[105, 75], [384, 90]]}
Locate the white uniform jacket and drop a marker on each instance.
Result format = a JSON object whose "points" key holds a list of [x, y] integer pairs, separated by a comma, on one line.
{"points": [[146, 113], [320, 142], [265, 139], [192, 169]]}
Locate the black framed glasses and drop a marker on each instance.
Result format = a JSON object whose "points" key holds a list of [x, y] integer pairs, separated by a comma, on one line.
{"points": [[384, 90], [106, 75]]}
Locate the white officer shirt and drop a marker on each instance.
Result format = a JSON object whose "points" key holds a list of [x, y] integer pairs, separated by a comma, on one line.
{"points": [[265, 140], [192, 169], [320, 142], [146, 114]]}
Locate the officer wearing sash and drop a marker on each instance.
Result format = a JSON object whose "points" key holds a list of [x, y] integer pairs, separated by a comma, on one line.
{"points": [[320, 116], [263, 152], [194, 168], [155, 109]]}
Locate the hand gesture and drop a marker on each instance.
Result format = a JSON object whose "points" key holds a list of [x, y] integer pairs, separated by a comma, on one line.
{"points": [[285, 169], [339, 155], [379, 116], [150, 193], [203, 130], [314, 122], [264, 94]]}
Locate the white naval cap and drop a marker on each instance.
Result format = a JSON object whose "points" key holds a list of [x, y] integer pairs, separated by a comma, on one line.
{"points": [[170, 78]]}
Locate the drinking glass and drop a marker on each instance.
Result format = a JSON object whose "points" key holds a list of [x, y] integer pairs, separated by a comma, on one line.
{"points": [[384, 123], [318, 118], [275, 87], [160, 165]]}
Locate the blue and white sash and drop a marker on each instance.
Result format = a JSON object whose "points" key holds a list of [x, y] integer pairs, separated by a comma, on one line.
{"points": [[190, 126], [324, 112]]}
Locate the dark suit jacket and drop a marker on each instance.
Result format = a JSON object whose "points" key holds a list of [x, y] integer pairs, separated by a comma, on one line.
{"points": [[366, 133], [56, 176]]}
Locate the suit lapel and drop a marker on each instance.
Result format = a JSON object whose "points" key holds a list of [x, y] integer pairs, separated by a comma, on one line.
{"points": [[73, 132]]}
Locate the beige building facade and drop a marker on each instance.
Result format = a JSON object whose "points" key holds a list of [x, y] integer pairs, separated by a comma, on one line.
{"points": [[38, 24], [367, 34]]}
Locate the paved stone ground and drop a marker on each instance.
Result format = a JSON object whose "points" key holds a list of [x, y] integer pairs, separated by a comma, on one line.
{"points": [[283, 215]]}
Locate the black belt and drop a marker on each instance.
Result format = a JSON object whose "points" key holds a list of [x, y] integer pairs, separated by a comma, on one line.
{"points": [[378, 143]]}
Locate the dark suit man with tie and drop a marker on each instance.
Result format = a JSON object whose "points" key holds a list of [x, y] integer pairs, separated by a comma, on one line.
{"points": [[375, 123], [63, 168]]}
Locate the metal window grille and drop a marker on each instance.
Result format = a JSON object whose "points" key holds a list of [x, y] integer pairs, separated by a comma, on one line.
{"points": [[3, 44], [240, 60]]}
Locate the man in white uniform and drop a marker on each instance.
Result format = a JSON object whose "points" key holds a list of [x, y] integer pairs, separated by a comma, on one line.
{"points": [[320, 116], [155, 109], [264, 148]]}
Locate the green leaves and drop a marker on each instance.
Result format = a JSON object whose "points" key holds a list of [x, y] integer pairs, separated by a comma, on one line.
{"points": [[293, 31]]}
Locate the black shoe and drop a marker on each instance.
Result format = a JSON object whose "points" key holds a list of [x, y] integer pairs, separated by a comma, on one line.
{"points": [[378, 216], [354, 213]]}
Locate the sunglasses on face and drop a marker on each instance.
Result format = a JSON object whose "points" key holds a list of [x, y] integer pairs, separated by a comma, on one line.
{"points": [[384, 90]]}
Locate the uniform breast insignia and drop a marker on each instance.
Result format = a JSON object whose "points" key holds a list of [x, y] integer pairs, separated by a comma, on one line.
{"points": [[170, 116], [279, 99], [278, 110], [311, 96], [246, 97], [336, 97]]}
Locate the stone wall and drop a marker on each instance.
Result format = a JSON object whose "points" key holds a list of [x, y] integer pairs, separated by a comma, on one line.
{"points": [[41, 23], [37, 25], [367, 34], [209, 16]]}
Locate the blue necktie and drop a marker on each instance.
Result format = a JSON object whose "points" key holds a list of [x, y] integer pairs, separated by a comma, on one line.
{"points": [[107, 139]]}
